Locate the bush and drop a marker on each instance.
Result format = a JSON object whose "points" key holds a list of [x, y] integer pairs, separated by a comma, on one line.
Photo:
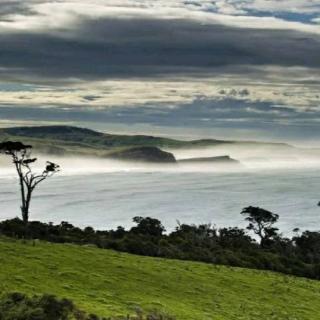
{"points": [[17, 306]]}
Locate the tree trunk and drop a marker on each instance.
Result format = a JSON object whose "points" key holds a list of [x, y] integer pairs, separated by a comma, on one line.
{"points": [[25, 214], [26, 206]]}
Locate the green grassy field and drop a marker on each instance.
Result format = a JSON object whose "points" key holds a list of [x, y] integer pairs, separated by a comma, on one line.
{"points": [[111, 283]]}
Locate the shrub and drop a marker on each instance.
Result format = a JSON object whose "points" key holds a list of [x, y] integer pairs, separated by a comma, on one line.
{"points": [[18, 306]]}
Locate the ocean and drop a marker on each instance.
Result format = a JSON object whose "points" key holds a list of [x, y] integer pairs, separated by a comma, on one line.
{"points": [[105, 199]]}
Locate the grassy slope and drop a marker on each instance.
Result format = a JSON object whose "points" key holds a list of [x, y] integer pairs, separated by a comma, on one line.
{"points": [[107, 282]]}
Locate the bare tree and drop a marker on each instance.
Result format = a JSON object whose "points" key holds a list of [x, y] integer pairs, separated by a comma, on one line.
{"points": [[21, 158]]}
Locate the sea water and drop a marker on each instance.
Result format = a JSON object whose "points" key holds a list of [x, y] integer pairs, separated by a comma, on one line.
{"points": [[106, 200]]}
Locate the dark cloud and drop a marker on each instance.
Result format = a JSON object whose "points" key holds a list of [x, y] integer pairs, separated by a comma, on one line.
{"points": [[8, 8], [107, 48], [91, 98], [279, 122]]}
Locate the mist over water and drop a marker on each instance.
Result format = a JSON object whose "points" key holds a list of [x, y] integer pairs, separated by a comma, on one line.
{"points": [[258, 156], [105, 193], [251, 157]]}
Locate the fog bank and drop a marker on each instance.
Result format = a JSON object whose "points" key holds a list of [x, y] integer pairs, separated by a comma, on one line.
{"points": [[251, 157]]}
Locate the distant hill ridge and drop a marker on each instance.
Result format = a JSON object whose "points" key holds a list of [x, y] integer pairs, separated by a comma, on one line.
{"points": [[71, 133], [77, 134], [71, 141]]}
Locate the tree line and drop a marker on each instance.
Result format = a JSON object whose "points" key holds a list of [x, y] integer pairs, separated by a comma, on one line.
{"points": [[232, 246]]}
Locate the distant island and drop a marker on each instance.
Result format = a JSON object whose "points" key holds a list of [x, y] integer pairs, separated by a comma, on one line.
{"points": [[75, 141]]}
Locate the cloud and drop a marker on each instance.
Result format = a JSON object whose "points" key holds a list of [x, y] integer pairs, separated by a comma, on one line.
{"points": [[260, 85], [300, 6], [147, 47], [209, 116], [60, 16], [79, 40], [203, 63]]}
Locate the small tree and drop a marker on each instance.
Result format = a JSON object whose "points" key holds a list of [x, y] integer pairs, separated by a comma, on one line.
{"points": [[21, 158], [148, 226], [261, 222]]}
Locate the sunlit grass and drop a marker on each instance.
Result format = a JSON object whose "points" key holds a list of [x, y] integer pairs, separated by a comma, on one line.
{"points": [[110, 283]]}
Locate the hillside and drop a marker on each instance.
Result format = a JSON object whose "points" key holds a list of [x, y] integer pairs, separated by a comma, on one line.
{"points": [[74, 141], [87, 137], [68, 138], [141, 153], [106, 282]]}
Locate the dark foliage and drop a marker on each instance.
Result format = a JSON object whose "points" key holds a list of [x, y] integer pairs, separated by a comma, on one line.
{"points": [[298, 256], [17, 306], [261, 222]]}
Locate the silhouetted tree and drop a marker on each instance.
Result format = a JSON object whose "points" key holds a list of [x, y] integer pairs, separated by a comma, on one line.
{"points": [[21, 158], [261, 222], [148, 226]]}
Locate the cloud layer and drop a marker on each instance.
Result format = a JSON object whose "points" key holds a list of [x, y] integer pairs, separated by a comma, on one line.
{"points": [[75, 39], [165, 54]]}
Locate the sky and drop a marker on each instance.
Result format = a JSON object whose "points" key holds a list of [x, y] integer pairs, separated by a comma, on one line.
{"points": [[237, 69]]}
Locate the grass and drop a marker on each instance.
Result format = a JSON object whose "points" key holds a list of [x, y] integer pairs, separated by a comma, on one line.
{"points": [[111, 283]]}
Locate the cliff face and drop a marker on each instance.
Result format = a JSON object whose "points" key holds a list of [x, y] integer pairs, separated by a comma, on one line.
{"points": [[221, 159], [143, 154]]}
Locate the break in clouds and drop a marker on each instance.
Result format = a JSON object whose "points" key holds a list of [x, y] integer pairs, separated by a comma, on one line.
{"points": [[241, 65]]}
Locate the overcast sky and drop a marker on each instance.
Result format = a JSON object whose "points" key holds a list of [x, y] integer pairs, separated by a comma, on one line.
{"points": [[225, 68]]}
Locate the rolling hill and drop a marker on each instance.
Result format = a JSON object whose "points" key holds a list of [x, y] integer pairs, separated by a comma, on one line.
{"points": [[68, 140], [108, 283]]}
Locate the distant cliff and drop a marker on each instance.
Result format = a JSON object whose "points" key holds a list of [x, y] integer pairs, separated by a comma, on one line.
{"points": [[220, 159]]}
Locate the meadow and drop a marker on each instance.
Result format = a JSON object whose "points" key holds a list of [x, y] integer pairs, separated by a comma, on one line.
{"points": [[108, 283]]}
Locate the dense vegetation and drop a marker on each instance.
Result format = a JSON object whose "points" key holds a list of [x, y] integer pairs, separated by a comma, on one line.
{"points": [[109, 283], [18, 306], [298, 256]]}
